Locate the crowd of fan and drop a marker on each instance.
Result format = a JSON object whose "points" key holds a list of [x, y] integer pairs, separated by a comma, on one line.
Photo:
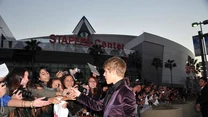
{"points": [[23, 92], [149, 94]]}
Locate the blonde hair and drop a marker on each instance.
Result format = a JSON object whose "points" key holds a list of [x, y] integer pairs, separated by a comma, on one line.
{"points": [[117, 64]]}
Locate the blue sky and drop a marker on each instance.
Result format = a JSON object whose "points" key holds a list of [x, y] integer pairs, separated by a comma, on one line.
{"points": [[171, 19]]}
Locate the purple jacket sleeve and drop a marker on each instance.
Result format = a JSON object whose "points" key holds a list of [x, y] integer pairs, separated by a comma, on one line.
{"points": [[124, 104], [129, 105], [91, 103]]}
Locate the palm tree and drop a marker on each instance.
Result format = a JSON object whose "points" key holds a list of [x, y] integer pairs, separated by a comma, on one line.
{"points": [[134, 59], [96, 51], [33, 47], [192, 69], [170, 64], [156, 62]]}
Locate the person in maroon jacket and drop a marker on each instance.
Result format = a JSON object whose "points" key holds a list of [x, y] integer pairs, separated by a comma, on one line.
{"points": [[120, 100]]}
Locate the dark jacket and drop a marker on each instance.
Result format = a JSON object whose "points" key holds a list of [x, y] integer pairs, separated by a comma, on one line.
{"points": [[203, 101]]}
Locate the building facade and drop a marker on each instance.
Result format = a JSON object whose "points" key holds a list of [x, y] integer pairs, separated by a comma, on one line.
{"points": [[60, 51]]}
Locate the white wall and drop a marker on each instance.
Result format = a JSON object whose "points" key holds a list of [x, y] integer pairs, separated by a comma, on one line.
{"points": [[173, 51], [5, 30]]}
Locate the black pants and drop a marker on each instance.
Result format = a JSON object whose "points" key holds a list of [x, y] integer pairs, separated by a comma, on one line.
{"points": [[204, 112]]}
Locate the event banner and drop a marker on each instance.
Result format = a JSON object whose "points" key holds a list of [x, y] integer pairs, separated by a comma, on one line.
{"points": [[197, 44]]}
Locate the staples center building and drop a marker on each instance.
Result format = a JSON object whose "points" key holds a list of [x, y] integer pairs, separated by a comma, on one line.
{"points": [[60, 51]]}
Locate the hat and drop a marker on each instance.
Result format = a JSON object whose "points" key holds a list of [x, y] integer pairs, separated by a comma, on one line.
{"points": [[3, 70]]}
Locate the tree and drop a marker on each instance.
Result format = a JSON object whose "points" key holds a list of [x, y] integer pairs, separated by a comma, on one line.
{"points": [[170, 64], [33, 48], [96, 51], [134, 59], [157, 62], [192, 69]]}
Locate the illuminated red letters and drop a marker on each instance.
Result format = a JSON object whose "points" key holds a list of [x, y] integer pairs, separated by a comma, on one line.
{"points": [[63, 39]]}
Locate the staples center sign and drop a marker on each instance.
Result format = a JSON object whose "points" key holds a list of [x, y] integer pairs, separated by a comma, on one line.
{"points": [[60, 39]]}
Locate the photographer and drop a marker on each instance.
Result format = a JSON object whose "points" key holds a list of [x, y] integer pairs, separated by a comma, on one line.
{"points": [[8, 103], [17, 88]]}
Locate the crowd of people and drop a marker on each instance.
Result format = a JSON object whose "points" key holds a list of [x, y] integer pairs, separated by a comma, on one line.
{"points": [[149, 94], [39, 96]]}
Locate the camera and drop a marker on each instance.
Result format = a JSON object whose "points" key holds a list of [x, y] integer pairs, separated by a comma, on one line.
{"points": [[82, 89], [25, 93], [5, 83]]}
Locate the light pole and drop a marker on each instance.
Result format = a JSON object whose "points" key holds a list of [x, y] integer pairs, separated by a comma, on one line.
{"points": [[202, 45]]}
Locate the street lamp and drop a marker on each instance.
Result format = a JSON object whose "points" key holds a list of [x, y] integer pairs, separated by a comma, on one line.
{"points": [[205, 22], [202, 45]]}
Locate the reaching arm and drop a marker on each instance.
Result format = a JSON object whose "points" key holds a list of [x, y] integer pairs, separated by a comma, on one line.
{"points": [[13, 103], [21, 103], [87, 101], [44, 92], [91, 103]]}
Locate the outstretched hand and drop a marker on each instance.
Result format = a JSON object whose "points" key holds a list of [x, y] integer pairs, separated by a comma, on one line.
{"points": [[59, 74], [71, 93], [76, 91], [69, 96], [40, 102], [54, 100]]}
